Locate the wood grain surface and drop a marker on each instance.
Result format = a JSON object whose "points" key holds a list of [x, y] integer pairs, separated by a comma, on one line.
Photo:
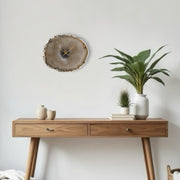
{"points": [[89, 127]]}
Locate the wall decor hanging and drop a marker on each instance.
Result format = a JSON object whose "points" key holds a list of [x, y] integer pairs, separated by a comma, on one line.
{"points": [[65, 53]]}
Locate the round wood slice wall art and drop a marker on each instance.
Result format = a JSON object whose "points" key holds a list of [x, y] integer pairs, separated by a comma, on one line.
{"points": [[65, 53]]}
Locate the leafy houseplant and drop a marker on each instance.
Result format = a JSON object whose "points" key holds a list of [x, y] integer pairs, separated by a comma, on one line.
{"points": [[124, 102], [138, 69]]}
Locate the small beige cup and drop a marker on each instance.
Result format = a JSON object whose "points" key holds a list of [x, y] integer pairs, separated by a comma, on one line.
{"points": [[51, 114]]}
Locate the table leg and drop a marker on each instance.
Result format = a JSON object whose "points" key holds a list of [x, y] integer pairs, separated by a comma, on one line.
{"points": [[34, 157], [148, 158], [33, 148]]}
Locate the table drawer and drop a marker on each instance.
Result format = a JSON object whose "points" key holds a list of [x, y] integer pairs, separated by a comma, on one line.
{"points": [[50, 130], [129, 130]]}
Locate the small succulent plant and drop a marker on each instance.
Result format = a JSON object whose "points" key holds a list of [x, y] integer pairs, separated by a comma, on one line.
{"points": [[124, 100]]}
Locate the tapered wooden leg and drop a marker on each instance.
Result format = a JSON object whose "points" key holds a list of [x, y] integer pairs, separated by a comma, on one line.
{"points": [[148, 158], [31, 157], [34, 157]]}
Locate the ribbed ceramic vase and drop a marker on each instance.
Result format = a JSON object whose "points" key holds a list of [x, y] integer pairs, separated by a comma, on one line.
{"points": [[141, 103], [41, 112]]}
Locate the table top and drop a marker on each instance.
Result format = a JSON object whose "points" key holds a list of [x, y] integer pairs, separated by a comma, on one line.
{"points": [[90, 120]]}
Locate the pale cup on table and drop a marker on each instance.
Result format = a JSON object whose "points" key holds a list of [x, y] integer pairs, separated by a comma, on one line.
{"points": [[51, 114]]}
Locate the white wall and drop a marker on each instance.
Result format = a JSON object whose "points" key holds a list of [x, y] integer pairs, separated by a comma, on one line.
{"points": [[26, 82]]}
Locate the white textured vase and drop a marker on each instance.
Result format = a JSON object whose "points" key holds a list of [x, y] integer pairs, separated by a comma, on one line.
{"points": [[141, 103], [41, 112]]}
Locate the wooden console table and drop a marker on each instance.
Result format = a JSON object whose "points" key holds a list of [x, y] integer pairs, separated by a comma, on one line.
{"points": [[89, 127]]}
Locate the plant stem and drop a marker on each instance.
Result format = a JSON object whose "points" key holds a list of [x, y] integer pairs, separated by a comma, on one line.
{"points": [[139, 90]]}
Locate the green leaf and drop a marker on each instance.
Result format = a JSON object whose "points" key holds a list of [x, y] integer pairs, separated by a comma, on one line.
{"points": [[165, 71], [131, 71], [158, 79], [117, 63], [117, 57], [156, 71], [156, 61], [142, 67], [127, 78], [118, 69], [135, 67], [143, 55], [145, 79], [156, 52], [125, 55]]}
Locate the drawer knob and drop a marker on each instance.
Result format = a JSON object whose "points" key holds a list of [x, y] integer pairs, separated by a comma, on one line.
{"points": [[49, 129], [127, 129]]}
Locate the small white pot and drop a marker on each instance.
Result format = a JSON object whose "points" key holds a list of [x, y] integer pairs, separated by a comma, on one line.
{"points": [[141, 103], [124, 110]]}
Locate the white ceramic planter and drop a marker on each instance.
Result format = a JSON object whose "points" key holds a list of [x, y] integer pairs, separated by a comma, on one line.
{"points": [[124, 110], [141, 103], [41, 112]]}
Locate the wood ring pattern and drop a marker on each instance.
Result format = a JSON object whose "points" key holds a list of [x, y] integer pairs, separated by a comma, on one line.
{"points": [[65, 53]]}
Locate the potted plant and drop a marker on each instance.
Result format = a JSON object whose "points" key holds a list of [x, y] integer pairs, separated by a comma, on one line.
{"points": [[138, 70], [124, 102]]}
